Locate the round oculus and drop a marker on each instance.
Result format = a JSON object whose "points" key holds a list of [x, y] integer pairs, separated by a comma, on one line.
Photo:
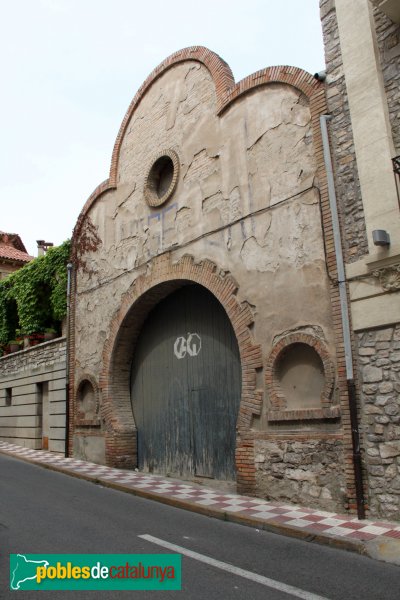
{"points": [[162, 178]]}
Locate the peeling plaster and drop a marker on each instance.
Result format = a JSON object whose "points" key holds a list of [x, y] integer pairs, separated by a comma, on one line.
{"points": [[124, 201], [179, 95], [250, 211], [183, 219], [256, 257]]}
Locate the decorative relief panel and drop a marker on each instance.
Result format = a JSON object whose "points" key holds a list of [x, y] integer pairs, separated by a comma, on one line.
{"points": [[389, 277]]}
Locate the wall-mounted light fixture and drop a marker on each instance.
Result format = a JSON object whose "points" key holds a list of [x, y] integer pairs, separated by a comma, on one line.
{"points": [[381, 237]]}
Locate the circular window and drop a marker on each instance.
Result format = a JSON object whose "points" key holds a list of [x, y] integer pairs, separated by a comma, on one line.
{"points": [[162, 178]]}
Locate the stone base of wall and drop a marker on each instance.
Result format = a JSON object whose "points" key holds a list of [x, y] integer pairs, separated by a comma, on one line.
{"points": [[379, 359], [307, 472]]}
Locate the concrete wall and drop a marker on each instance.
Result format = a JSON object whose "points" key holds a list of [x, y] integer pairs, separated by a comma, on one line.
{"points": [[32, 396]]}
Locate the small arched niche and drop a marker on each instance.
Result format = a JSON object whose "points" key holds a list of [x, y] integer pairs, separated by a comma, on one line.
{"points": [[301, 377], [87, 404]]}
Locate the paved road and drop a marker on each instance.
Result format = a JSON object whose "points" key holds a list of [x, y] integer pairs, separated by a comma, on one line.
{"points": [[46, 512]]}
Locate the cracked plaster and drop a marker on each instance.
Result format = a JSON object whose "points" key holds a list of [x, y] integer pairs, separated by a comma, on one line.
{"points": [[245, 200]]}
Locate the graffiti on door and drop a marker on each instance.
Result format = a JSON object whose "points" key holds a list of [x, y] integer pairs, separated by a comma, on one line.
{"points": [[190, 345]]}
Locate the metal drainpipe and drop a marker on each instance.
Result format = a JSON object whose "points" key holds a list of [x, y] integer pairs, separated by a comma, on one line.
{"points": [[69, 272], [355, 434]]}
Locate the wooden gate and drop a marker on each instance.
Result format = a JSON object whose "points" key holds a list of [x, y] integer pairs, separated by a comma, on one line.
{"points": [[186, 387]]}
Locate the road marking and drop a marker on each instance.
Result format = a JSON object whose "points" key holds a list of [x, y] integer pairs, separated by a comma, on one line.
{"points": [[271, 583]]}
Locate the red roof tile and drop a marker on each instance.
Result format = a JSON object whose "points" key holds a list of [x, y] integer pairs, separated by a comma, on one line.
{"points": [[8, 252]]}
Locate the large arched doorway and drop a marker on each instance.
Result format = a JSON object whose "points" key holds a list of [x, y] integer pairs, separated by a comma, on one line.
{"points": [[186, 387]]}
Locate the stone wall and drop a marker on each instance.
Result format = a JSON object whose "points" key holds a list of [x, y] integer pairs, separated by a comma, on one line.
{"points": [[307, 471], [388, 36], [379, 357], [32, 396], [342, 144]]}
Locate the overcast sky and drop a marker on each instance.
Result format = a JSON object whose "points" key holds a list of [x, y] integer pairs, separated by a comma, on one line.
{"points": [[71, 67]]}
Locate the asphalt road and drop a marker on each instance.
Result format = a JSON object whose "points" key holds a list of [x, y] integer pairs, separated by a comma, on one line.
{"points": [[42, 511]]}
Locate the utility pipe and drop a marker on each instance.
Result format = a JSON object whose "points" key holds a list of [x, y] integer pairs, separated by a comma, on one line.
{"points": [[344, 309], [67, 365]]}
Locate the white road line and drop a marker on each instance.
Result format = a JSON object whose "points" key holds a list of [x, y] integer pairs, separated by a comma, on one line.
{"points": [[276, 585]]}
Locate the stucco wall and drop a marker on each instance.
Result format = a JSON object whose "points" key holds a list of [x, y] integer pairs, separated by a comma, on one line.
{"points": [[32, 396], [388, 37], [246, 200], [248, 204]]}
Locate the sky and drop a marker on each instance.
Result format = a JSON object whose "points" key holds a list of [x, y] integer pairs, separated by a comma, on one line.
{"points": [[70, 69]]}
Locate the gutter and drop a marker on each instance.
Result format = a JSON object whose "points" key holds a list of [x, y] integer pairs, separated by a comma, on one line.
{"points": [[344, 309]]}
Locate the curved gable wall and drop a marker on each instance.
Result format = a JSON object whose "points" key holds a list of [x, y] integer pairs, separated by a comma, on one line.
{"points": [[248, 201]]}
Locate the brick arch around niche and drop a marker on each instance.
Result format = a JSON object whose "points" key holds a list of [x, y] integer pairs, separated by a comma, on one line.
{"points": [[146, 291]]}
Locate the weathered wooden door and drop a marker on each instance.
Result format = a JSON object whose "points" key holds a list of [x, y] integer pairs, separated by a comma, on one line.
{"points": [[186, 387]]}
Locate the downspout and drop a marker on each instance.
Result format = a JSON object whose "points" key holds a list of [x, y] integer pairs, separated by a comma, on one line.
{"points": [[344, 309], [67, 365]]}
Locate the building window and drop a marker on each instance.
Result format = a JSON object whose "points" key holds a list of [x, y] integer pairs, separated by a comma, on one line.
{"points": [[8, 396], [162, 178]]}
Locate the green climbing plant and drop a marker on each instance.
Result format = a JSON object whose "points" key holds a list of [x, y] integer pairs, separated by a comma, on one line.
{"points": [[8, 312], [34, 297]]}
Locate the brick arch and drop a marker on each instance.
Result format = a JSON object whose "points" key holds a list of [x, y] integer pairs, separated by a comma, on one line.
{"points": [[146, 291], [293, 76], [227, 91], [278, 406]]}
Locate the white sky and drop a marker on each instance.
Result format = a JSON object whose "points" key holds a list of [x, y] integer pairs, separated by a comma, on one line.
{"points": [[70, 68]]}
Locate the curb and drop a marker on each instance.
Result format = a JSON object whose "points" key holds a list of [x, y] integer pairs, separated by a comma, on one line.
{"points": [[307, 535]]}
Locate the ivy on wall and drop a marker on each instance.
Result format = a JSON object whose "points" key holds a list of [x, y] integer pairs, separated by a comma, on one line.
{"points": [[34, 298]]}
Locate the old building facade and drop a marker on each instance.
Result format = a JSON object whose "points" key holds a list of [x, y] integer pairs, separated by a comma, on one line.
{"points": [[209, 335], [206, 331]]}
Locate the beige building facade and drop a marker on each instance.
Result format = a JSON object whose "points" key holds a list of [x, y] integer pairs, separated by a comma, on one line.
{"points": [[235, 306], [205, 305], [32, 397], [362, 44]]}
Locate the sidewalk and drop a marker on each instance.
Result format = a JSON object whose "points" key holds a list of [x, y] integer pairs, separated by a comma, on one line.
{"points": [[376, 539]]}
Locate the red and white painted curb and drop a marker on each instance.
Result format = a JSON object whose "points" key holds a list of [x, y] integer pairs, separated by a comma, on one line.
{"points": [[317, 522]]}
